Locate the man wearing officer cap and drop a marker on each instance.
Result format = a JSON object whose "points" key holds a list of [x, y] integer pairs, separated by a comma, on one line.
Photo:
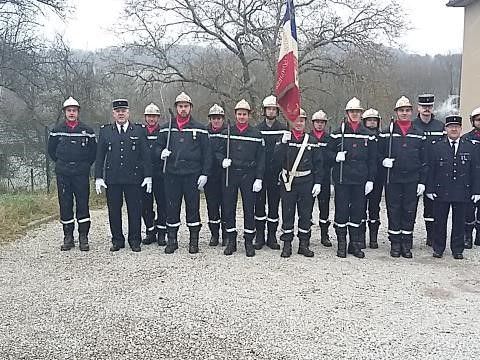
{"points": [[123, 166], [472, 216], [213, 188], [319, 121], [156, 228], [453, 181], [353, 152], [72, 145], [188, 162], [272, 130], [246, 166], [433, 130], [402, 148]]}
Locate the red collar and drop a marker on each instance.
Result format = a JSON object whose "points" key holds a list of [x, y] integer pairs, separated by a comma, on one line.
{"points": [[215, 129], [71, 124], [476, 133], [298, 134], [242, 127], [354, 125], [404, 125], [318, 134], [151, 128], [181, 122]]}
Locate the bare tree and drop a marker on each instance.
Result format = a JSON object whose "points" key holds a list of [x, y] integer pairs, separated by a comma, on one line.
{"points": [[226, 46]]}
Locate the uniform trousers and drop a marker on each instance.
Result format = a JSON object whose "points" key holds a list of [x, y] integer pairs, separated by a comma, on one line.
{"points": [[401, 199], [324, 203], [133, 198], [372, 206], [214, 197], [158, 192], [298, 199], [472, 216], [270, 194], [442, 209], [68, 187], [349, 205]]}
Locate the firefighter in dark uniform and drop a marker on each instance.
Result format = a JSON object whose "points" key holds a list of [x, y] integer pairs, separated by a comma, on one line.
{"points": [[302, 175], [353, 153], [472, 216], [72, 145], [371, 120], [406, 176], [272, 130], [123, 166], [453, 181], [245, 165], [319, 120], [156, 227], [433, 130], [188, 165], [213, 189]]}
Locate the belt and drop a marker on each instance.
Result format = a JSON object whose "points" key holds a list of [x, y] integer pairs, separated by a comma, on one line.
{"points": [[296, 173]]}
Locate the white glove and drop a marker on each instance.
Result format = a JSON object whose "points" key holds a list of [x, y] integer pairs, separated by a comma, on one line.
{"points": [[340, 156], [368, 187], [99, 183], [148, 182], [226, 163], [475, 198], [431, 196], [165, 154], [388, 162], [287, 136], [420, 189], [202, 180], [257, 185], [316, 190]]}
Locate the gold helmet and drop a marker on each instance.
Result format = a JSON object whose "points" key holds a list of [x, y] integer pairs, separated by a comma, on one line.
{"points": [[353, 104], [152, 109], [270, 101], [371, 113], [319, 115], [71, 102], [243, 105], [182, 97], [402, 102], [216, 110]]}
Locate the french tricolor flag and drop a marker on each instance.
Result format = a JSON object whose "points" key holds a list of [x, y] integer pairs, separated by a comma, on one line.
{"points": [[287, 89]]}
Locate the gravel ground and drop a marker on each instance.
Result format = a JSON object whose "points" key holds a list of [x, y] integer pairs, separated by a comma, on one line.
{"points": [[124, 305]]}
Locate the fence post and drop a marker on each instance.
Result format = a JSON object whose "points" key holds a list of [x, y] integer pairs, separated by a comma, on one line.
{"points": [[47, 160]]}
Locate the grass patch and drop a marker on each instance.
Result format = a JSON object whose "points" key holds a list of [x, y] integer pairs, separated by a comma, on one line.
{"points": [[17, 210]]}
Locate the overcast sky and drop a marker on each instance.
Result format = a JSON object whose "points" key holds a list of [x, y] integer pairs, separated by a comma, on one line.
{"points": [[436, 28]]}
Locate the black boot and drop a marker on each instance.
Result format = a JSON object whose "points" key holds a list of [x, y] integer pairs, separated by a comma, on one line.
{"points": [[395, 247], [249, 249], [362, 235], [373, 234], [303, 248], [272, 242], [224, 237], [193, 245], [215, 234], [172, 243], [341, 242], [68, 242], [468, 237], [324, 238], [356, 242], [287, 249], [429, 228], [405, 249], [260, 234], [161, 237], [83, 242], [150, 238], [231, 243]]}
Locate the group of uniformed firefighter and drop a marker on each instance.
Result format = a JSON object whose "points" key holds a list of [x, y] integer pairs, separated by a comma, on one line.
{"points": [[165, 163]]}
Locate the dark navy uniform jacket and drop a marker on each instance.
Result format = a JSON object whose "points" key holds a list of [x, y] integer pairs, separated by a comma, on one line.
{"points": [[312, 159], [123, 158], [409, 152], [247, 149], [453, 178], [157, 163], [272, 135], [73, 150], [216, 168], [190, 147], [327, 166], [360, 163]]}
